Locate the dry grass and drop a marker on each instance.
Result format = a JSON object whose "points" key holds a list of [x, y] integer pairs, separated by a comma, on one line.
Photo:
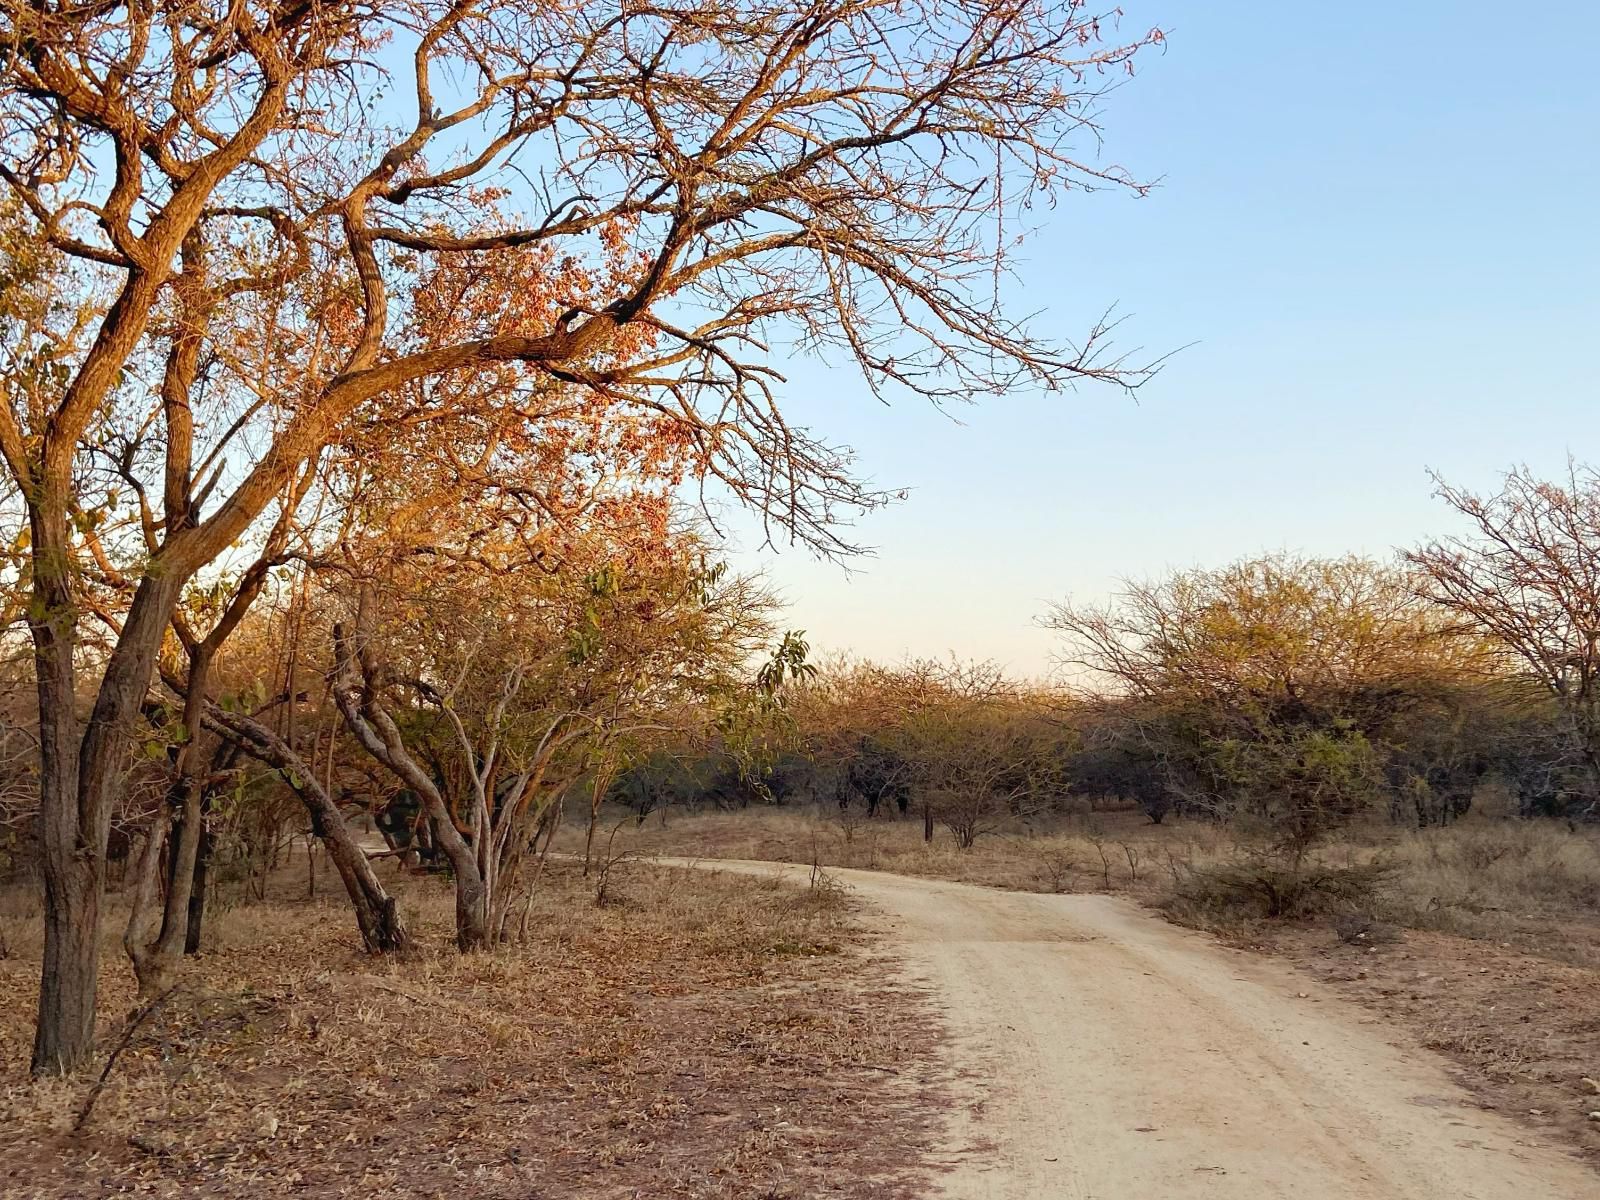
{"points": [[1490, 946], [1536, 885], [1533, 883], [1065, 859], [702, 1035]]}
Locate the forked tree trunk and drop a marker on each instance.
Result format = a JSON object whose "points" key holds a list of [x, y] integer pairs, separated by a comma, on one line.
{"points": [[78, 782], [355, 692], [145, 938], [513, 852]]}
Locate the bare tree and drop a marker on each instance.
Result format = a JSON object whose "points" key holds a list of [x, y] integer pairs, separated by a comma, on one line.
{"points": [[1528, 577]]}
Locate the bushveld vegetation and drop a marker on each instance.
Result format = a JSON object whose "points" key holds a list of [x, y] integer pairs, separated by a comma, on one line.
{"points": [[360, 367], [367, 375], [1283, 710], [359, 362], [1344, 761]]}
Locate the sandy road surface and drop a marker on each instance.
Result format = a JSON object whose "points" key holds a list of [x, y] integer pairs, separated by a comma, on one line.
{"points": [[1109, 1056]]}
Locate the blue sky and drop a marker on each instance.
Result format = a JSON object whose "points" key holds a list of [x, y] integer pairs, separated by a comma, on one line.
{"points": [[1377, 226]]}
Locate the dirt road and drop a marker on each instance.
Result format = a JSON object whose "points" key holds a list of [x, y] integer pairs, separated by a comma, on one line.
{"points": [[1109, 1056]]}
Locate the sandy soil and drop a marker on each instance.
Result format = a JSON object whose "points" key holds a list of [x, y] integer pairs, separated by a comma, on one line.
{"points": [[1105, 1055]]}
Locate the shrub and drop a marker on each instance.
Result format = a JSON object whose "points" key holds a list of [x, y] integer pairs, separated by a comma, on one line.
{"points": [[1268, 888]]}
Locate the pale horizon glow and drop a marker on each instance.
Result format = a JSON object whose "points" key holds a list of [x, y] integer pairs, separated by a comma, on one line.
{"points": [[1374, 234]]}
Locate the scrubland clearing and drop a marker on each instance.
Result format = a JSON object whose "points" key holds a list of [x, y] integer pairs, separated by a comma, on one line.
{"points": [[1103, 1053], [1495, 965], [706, 1036], [403, 411]]}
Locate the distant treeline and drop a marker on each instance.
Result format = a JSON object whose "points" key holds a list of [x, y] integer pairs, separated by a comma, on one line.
{"points": [[1284, 693]]}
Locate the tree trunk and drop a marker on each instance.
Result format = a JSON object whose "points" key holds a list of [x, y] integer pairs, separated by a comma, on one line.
{"points": [[158, 926], [141, 938], [78, 782], [472, 915], [64, 1036], [355, 692], [597, 794], [157, 958], [188, 828], [382, 931], [602, 781], [197, 893], [588, 838], [543, 855]]}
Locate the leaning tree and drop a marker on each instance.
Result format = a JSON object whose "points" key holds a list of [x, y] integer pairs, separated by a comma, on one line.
{"points": [[238, 211]]}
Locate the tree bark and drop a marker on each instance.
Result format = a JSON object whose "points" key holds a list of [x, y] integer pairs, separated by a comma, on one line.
{"points": [[79, 777], [188, 829], [194, 925], [144, 920], [382, 931], [64, 1035]]}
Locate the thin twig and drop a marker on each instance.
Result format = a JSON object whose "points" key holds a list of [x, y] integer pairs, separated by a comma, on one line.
{"points": [[134, 1022]]}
